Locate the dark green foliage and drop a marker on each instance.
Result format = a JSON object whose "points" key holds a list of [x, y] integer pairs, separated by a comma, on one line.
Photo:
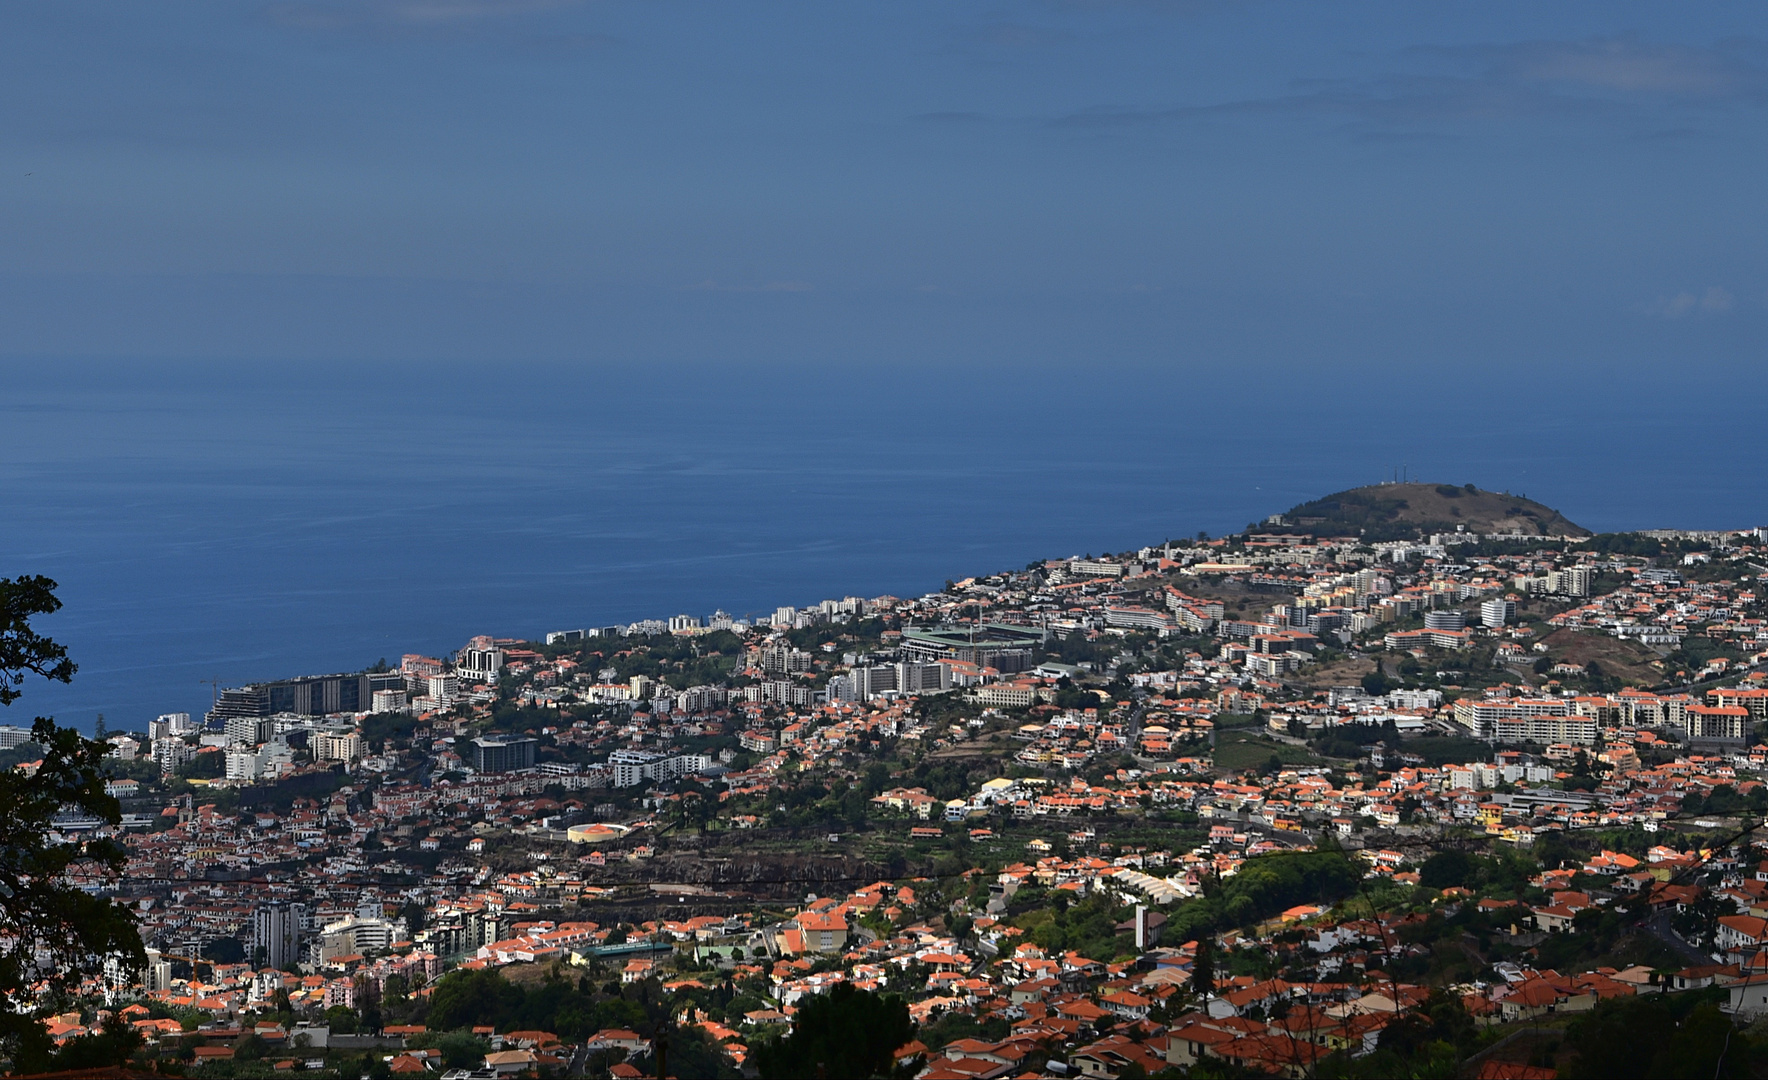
{"points": [[1348, 740], [342, 1019], [461, 1050], [679, 661], [953, 779], [1265, 886], [1088, 927], [691, 1055], [204, 766], [1724, 800], [224, 950], [108, 1047], [1428, 1042], [1657, 1035], [57, 934], [1445, 749], [1203, 967], [1622, 544], [464, 999], [1446, 868], [846, 1032], [23, 650]]}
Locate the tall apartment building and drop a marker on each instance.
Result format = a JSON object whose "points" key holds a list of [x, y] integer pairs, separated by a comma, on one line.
{"points": [[337, 746], [156, 974], [841, 688], [923, 678], [869, 682], [1572, 581], [503, 753], [171, 752], [311, 695], [1447, 619], [443, 689], [783, 691], [634, 767], [1497, 612], [700, 699], [276, 929], [907, 677], [1512, 720], [1719, 723], [174, 723], [250, 730], [480, 661], [358, 933], [784, 660]]}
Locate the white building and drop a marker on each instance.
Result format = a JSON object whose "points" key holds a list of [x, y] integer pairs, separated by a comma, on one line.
{"points": [[276, 929], [1497, 612], [172, 723], [634, 767], [337, 746], [480, 661]]}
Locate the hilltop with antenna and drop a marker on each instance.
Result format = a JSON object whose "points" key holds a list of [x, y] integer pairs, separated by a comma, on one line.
{"points": [[1406, 511]]}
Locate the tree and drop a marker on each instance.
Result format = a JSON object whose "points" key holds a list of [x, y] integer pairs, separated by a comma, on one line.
{"points": [[1203, 968], [465, 998], [1655, 1035], [1446, 868], [23, 650], [56, 934], [846, 1032]]}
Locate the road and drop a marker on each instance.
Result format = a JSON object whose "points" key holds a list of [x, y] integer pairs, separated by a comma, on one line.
{"points": [[1659, 926]]}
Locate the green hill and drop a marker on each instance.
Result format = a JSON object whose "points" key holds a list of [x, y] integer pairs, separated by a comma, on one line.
{"points": [[1408, 511]]}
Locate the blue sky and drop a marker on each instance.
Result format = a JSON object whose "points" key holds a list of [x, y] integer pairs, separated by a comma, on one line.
{"points": [[1372, 188], [306, 305]]}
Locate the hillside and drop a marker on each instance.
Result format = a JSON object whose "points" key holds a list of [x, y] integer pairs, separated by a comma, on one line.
{"points": [[1404, 511]]}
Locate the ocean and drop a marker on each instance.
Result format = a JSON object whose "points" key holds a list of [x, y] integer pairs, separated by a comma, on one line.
{"points": [[235, 522]]}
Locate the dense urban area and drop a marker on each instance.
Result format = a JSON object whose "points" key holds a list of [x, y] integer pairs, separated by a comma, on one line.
{"points": [[1356, 792]]}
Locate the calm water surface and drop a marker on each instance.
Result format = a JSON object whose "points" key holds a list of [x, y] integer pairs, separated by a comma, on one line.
{"points": [[209, 521]]}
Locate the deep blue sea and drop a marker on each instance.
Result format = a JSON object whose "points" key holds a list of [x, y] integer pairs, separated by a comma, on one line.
{"points": [[251, 521]]}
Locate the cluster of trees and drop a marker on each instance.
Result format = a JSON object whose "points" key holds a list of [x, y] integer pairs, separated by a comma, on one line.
{"points": [[1265, 886], [1056, 925], [846, 1032], [1660, 1035], [1431, 1041], [57, 933], [1724, 799], [680, 661], [571, 1009], [1348, 740], [809, 802]]}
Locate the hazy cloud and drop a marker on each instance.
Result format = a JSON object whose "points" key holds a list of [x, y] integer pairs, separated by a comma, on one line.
{"points": [[770, 287], [1010, 35], [388, 14], [1628, 65], [1618, 77], [1712, 302]]}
